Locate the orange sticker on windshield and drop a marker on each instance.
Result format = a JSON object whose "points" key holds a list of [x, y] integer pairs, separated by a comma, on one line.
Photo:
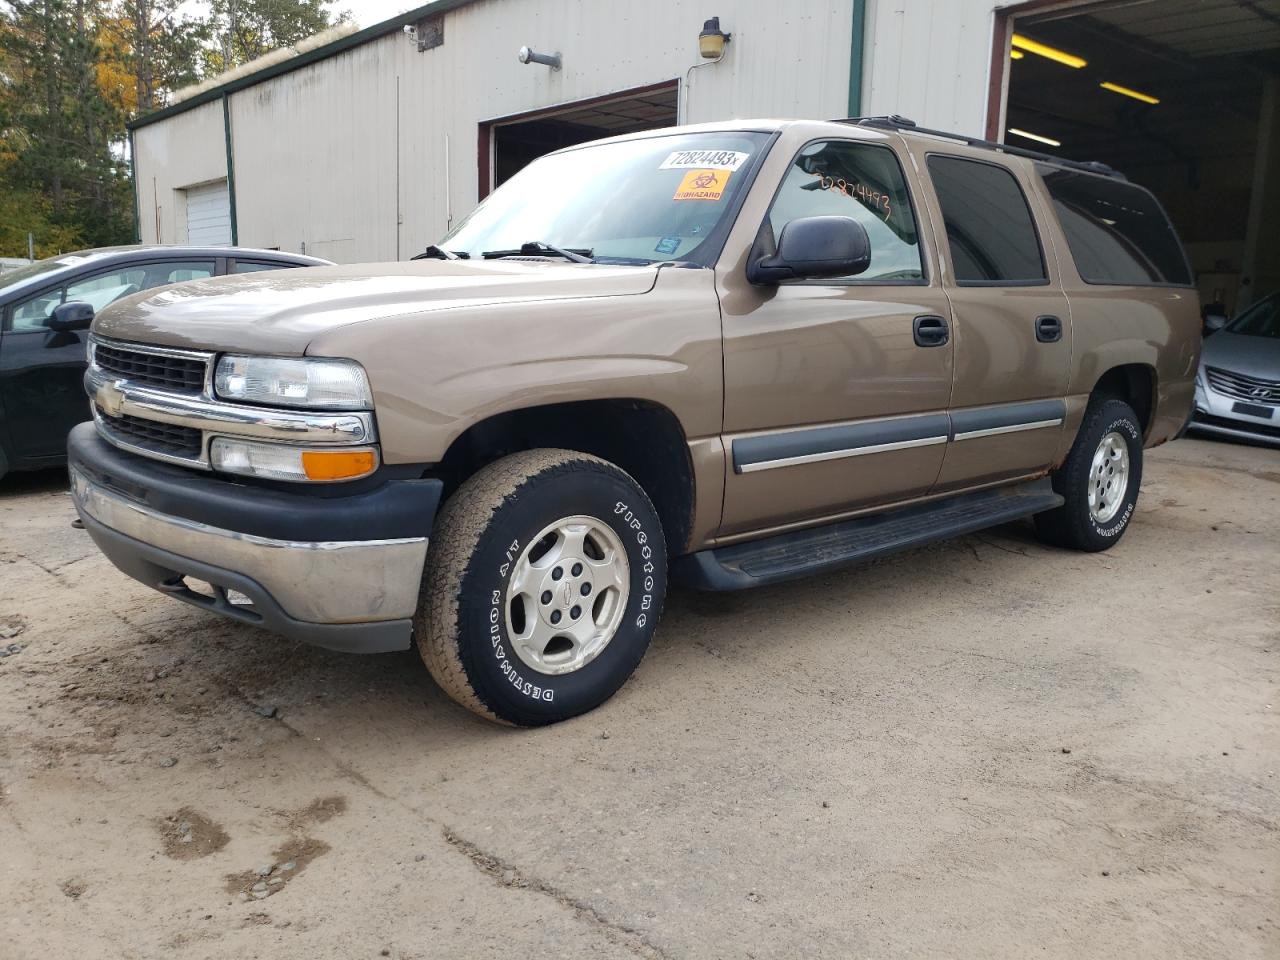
{"points": [[703, 185]]}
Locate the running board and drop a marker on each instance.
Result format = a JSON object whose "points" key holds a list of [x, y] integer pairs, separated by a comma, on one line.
{"points": [[789, 556]]}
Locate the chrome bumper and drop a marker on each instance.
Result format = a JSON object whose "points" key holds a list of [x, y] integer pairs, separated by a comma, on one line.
{"points": [[308, 582]]}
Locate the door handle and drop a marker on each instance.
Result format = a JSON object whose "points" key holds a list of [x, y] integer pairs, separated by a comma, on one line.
{"points": [[1048, 329], [930, 331]]}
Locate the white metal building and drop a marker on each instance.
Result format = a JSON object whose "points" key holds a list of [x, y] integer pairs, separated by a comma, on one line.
{"points": [[369, 145]]}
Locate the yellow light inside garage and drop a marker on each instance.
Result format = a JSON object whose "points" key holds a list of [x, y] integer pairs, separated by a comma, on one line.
{"points": [[1048, 52], [1016, 54], [337, 464], [1129, 92], [1035, 136]]}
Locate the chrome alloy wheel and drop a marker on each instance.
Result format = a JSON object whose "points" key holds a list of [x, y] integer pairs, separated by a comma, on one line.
{"points": [[1108, 477], [567, 595]]}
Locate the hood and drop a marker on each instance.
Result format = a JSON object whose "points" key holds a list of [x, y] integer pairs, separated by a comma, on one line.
{"points": [[281, 311], [1257, 357]]}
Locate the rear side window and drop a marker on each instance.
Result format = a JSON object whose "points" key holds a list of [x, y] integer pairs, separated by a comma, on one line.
{"points": [[257, 266], [1117, 232], [990, 231]]}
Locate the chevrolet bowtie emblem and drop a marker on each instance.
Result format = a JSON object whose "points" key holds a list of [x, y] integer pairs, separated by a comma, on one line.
{"points": [[111, 398]]}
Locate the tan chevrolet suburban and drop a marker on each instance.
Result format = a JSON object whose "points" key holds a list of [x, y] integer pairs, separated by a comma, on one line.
{"points": [[734, 354]]}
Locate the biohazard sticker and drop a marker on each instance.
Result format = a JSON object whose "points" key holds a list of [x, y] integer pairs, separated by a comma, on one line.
{"points": [[703, 185], [717, 159]]}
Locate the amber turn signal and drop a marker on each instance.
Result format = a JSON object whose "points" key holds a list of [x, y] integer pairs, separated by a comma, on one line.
{"points": [[337, 464]]}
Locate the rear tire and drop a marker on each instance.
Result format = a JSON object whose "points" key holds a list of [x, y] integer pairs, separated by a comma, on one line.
{"points": [[1099, 480], [545, 578]]}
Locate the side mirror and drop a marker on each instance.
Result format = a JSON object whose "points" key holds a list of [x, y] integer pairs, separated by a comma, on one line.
{"points": [[812, 247], [74, 315]]}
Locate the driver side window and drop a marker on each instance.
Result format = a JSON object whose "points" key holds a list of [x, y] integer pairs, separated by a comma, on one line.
{"points": [[102, 289], [862, 181], [105, 288]]}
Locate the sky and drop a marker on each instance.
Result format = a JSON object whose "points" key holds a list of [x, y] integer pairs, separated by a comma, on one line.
{"points": [[368, 12]]}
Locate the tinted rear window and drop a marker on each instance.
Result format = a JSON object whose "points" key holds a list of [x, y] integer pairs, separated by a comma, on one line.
{"points": [[990, 232], [1117, 232]]}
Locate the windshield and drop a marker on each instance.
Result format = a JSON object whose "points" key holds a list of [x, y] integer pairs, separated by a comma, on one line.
{"points": [[1260, 320], [637, 201]]}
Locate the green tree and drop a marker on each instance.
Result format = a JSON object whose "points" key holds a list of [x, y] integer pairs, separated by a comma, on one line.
{"points": [[244, 30], [150, 48], [74, 72], [53, 122]]}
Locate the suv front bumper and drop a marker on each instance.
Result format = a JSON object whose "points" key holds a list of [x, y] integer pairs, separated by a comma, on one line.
{"points": [[321, 569]]}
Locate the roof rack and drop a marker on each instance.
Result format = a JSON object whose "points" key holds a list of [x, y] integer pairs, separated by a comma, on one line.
{"points": [[896, 122]]}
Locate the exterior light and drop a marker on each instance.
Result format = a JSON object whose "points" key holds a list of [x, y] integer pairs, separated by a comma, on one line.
{"points": [[712, 39], [1048, 52], [1128, 92], [1035, 136], [527, 55]]}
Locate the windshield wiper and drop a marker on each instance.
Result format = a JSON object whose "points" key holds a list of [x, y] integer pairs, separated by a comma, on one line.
{"points": [[440, 253], [534, 248]]}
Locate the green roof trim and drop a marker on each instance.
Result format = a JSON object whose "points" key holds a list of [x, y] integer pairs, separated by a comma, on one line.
{"points": [[231, 168], [857, 46], [341, 45]]}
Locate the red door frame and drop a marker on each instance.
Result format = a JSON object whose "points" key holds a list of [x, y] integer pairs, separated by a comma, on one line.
{"points": [[484, 146], [1002, 30]]}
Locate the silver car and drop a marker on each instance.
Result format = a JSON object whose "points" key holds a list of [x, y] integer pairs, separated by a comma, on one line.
{"points": [[1238, 387]]}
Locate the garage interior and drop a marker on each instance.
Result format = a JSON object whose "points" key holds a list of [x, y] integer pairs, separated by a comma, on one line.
{"points": [[517, 141], [1191, 110]]}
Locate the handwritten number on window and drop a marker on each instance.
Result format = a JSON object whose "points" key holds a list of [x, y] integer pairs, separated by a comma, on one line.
{"points": [[856, 190]]}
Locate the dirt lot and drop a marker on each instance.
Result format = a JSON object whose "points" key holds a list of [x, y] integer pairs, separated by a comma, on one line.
{"points": [[983, 748]]}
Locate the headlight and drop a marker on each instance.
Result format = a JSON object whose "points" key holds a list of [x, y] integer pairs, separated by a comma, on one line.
{"points": [[318, 384], [282, 461]]}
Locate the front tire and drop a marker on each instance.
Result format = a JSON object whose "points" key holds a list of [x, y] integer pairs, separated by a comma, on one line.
{"points": [[1099, 480], [544, 582]]}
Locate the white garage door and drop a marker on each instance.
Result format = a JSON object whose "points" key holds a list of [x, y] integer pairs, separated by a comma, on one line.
{"points": [[209, 215]]}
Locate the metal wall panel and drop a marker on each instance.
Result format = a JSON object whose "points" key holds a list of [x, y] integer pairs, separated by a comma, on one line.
{"points": [[930, 60], [315, 159], [184, 151]]}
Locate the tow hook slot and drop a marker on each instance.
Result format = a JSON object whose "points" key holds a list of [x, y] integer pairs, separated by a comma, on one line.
{"points": [[211, 596]]}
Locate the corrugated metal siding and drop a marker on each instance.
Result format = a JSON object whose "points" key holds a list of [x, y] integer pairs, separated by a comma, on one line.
{"points": [[315, 159], [184, 151], [316, 149], [930, 60]]}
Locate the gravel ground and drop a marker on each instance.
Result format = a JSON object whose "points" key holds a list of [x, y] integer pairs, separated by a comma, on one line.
{"points": [[983, 748]]}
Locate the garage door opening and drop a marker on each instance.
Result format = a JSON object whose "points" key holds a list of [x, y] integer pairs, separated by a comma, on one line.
{"points": [[509, 144], [1183, 97]]}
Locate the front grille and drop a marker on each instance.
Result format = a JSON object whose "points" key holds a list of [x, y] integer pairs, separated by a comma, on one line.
{"points": [[175, 373], [152, 435], [1241, 387]]}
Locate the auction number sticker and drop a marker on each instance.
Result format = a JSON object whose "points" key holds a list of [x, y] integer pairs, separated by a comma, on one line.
{"points": [[701, 159], [703, 185]]}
